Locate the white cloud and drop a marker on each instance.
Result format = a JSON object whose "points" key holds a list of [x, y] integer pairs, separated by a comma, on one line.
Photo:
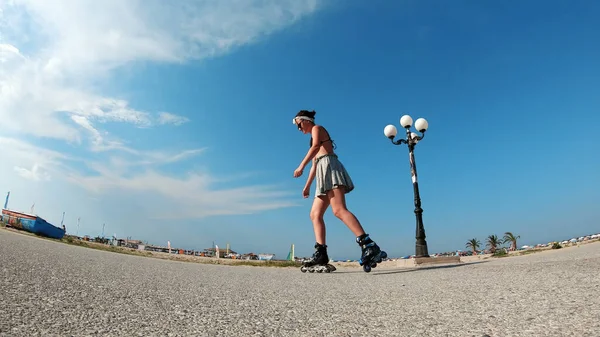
{"points": [[194, 195], [23, 154], [35, 173], [191, 196], [55, 59], [81, 43], [169, 118]]}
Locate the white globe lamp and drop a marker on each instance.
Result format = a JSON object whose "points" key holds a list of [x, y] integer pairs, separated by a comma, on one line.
{"points": [[421, 125], [406, 121], [390, 131]]}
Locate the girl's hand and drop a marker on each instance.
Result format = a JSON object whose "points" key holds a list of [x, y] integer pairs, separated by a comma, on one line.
{"points": [[306, 192], [298, 172]]}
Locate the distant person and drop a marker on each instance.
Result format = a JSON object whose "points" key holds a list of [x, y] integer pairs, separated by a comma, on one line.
{"points": [[332, 184]]}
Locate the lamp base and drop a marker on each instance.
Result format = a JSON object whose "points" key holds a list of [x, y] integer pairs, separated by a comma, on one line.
{"points": [[419, 261], [421, 248]]}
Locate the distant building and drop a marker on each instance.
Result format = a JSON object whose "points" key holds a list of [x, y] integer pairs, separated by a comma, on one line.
{"points": [[211, 252]]}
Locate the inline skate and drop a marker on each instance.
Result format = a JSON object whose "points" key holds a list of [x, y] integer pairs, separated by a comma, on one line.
{"points": [[319, 262], [371, 253]]}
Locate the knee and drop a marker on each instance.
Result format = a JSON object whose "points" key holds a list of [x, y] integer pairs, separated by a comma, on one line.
{"points": [[315, 216], [339, 212]]}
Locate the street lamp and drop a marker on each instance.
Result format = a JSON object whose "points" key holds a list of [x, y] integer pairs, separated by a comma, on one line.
{"points": [[411, 140]]}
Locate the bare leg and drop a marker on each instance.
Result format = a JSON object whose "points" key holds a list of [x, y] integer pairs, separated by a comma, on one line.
{"points": [[319, 207], [319, 261], [371, 254], [337, 198]]}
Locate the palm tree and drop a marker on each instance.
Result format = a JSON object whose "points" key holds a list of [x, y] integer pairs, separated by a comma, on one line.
{"points": [[474, 245], [509, 237], [493, 242]]}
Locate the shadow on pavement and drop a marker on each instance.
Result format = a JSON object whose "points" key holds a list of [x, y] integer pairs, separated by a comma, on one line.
{"points": [[406, 270]]}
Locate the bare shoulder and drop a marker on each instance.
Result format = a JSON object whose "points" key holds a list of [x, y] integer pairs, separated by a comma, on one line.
{"points": [[317, 131]]}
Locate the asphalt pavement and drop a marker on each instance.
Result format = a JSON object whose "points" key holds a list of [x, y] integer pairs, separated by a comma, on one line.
{"points": [[53, 289]]}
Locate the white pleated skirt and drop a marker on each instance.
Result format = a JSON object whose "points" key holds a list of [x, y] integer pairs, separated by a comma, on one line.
{"points": [[330, 173]]}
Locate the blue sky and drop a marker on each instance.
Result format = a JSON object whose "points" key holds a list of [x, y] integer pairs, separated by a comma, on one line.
{"points": [[183, 133]]}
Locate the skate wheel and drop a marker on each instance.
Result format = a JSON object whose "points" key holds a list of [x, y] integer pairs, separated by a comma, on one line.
{"points": [[319, 270], [327, 271], [374, 265], [383, 255], [311, 270], [367, 268], [303, 269]]}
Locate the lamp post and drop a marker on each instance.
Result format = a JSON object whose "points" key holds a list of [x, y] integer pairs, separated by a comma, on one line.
{"points": [[411, 140]]}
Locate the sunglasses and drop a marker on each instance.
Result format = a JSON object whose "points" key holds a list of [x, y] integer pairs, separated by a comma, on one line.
{"points": [[299, 125]]}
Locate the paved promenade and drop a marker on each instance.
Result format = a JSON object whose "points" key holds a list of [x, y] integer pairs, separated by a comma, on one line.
{"points": [[53, 289]]}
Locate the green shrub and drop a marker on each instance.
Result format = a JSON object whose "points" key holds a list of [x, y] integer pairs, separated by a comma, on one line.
{"points": [[68, 239], [500, 253]]}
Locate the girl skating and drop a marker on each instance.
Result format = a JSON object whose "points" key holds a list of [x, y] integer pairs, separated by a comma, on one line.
{"points": [[332, 184]]}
